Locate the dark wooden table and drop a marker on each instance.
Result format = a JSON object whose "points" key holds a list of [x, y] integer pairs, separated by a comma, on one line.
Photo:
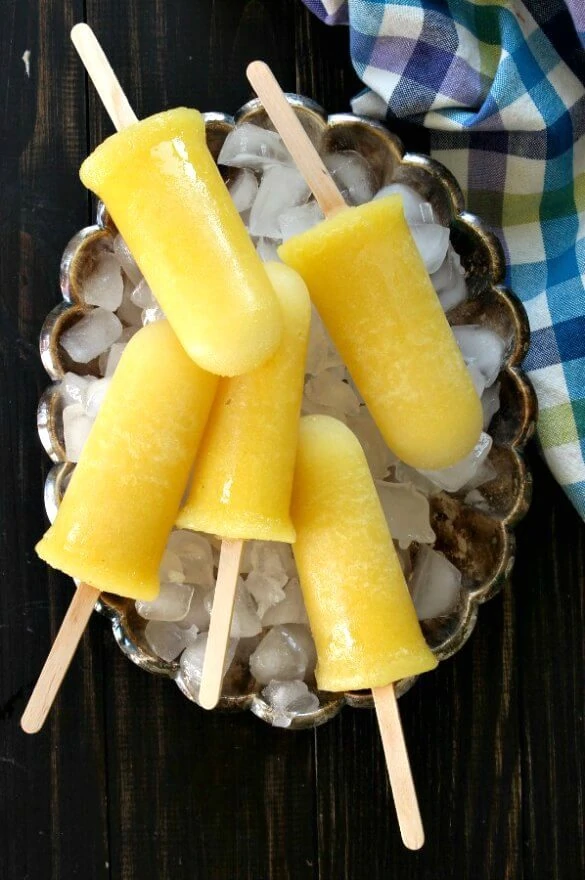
{"points": [[128, 779]]}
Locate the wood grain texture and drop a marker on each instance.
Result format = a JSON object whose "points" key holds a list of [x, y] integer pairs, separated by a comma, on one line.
{"points": [[131, 781], [45, 812]]}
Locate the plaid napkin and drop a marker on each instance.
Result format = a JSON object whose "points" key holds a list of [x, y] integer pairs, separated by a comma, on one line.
{"points": [[499, 85]]}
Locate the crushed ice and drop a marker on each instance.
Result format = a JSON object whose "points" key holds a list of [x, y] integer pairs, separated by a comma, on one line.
{"points": [[269, 613]]}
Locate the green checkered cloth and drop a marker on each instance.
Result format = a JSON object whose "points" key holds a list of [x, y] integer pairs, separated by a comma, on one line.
{"points": [[499, 86]]}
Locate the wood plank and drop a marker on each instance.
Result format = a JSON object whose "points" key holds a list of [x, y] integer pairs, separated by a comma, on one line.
{"points": [[550, 601], [461, 726], [194, 793], [52, 808]]}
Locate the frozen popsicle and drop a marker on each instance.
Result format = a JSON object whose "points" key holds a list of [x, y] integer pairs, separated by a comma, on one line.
{"points": [[168, 200], [369, 284], [243, 473], [362, 618], [122, 501]]}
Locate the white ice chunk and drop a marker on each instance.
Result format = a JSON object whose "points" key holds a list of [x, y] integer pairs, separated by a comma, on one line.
{"points": [[321, 352], [198, 614], [449, 280], [149, 316], [329, 390], [192, 663], [74, 389], [249, 146], [406, 474], [142, 296], [407, 513], [290, 610], [285, 653], [432, 242], [353, 175], [490, 401], [267, 250], [482, 348], [476, 499], [289, 699], [411, 201], [281, 188], [94, 333], [114, 356], [76, 427], [194, 551], [171, 568], [172, 603], [167, 640], [96, 391], [379, 457], [243, 189], [298, 219], [266, 589], [271, 557], [463, 473], [104, 286], [435, 584], [126, 260]]}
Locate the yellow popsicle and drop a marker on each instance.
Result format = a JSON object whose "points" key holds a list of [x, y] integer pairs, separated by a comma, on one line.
{"points": [[120, 506], [369, 284], [361, 614], [168, 200], [244, 469]]}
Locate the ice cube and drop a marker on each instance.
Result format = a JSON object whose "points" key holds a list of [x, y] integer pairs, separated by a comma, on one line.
{"points": [[482, 347], [285, 653], [243, 189], [267, 250], [432, 242], [126, 260], [411, 201], [104, 286], [353, 175], [271, 557], [266, 589], [172, 603], [149, 316], [194, 551], [94, 333], [290, 610], [288, 699], [490, 401], [435, 584], [475, 499], [485, 473], [321, 352], [379, 457], [454, 478], [299, 219], [74, 389], [191, 664], [449, 280], [198, 614], [477, 377], [406, 474], [407, 513], [114, 356], [245, 619], [96, 391], [142, 296], [76, 427], [281, 188], [171, 568], [167, 640], [327, 389], [249, 146]]}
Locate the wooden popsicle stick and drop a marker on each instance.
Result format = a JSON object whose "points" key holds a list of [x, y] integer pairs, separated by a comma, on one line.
{"points": [[220, 624], [102, 76], [296, 139], [75, 621], [331, 201], [401, 781], [60, 656]]}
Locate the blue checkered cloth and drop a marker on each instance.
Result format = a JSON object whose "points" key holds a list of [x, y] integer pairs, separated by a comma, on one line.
{"points": [[499, 84]]}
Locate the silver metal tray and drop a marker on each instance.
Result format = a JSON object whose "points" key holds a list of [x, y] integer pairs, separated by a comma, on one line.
{"points": [[478, 540]]}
